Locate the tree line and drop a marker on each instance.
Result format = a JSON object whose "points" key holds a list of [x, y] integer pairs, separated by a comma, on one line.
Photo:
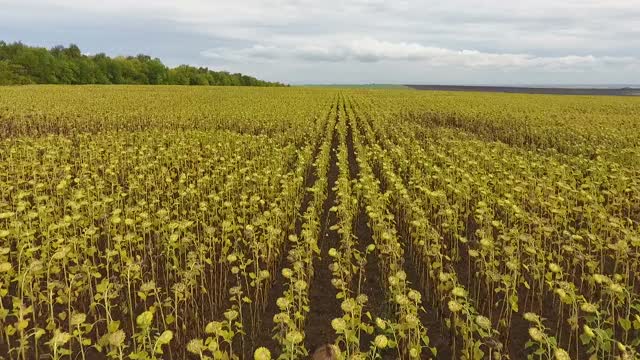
{"points": [[22, 64]]}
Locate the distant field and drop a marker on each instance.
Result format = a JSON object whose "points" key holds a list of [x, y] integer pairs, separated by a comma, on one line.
{"points": [[532, 90], [176, 222], [362, 86]]}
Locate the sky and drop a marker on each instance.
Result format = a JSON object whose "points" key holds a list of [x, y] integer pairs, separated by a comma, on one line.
{"points": [[475, 42]]}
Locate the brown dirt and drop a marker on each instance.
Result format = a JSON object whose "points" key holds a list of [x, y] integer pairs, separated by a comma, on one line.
{"points": [[264, 336], [323, 304]]}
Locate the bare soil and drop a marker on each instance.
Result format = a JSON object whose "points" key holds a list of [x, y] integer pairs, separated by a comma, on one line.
{"points": [[531, 90], [322, 295]]}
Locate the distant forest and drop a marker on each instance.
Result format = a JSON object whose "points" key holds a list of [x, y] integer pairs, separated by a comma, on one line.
{"points": [[21, 64]]}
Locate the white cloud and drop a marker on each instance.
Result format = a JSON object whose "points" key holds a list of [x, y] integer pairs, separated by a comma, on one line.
{"points": [[368, 50], [330, 40]]}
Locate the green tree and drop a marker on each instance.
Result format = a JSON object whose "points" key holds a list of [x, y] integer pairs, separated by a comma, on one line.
{"points": [[22, 64]]}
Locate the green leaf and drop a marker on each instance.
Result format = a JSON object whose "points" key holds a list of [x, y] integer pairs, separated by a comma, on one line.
{"points": [[145, 319], [165, 337], [477, 353], [513, 301], [625, 324], [113, 326], [5, 267], [585, 339], [78, 319], [10, 330]]}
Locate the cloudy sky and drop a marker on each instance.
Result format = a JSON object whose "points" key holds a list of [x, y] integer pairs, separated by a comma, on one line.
{"points": [[354, 41]]}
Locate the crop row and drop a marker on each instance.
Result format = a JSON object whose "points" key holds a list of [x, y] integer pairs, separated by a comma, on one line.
{"points": [[495, 245], [148, 223]]}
